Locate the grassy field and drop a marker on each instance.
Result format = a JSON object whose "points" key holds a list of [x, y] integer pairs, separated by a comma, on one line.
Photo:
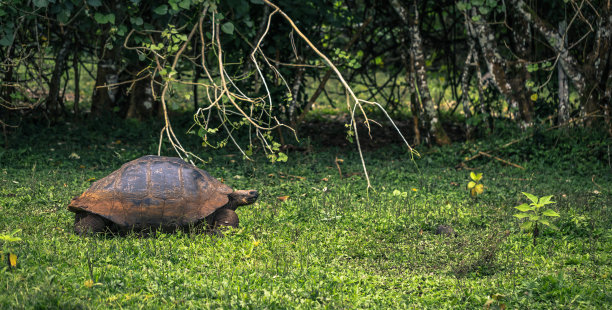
{"points": [[330, 243]]}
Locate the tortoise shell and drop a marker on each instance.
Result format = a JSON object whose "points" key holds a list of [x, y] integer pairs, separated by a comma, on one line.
{"points": [[154, 191]]}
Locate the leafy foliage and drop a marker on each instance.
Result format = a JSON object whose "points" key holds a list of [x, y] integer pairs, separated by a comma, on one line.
{"points": [[534, 215], [328, 244], [476, 188]]}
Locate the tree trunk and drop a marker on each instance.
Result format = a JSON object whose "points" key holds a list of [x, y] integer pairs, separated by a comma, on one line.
{"points": [[465, 96], [590, 78], [295, 90], [141, 102], [512, 89], [77, 84], [521, 41], [470, 61], [564, 108], [432, 123], [54, 102], [105, 95], [414, 104]]}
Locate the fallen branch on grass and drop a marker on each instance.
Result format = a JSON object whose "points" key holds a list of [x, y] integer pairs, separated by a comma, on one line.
{"points": [[481, 153]]}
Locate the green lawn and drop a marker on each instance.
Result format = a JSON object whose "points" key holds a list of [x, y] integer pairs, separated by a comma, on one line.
{"points": [[330, 244]]}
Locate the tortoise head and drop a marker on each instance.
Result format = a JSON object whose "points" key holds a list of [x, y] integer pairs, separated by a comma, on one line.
{"points": [[242, 198]]}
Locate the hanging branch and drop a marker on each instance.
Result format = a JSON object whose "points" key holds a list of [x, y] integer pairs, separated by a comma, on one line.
{"points": [[356, 102]]}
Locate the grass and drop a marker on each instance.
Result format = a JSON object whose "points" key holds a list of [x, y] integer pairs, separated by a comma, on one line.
{"points": [[331, 244]]}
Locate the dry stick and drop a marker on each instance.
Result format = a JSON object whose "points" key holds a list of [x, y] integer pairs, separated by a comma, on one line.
{"points": [[328, 74], [168, 127], [480, 153], [263, 79], [501, 160], [224, 85], [340, 77], [338, 165]]}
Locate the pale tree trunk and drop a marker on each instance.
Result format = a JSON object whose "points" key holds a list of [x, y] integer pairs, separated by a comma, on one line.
{"points": [[295, 90], [484, 111], [432, 123], [465, 89], [513, 89], [415, 107], [564, 108], [466, 103], [591, 78]]}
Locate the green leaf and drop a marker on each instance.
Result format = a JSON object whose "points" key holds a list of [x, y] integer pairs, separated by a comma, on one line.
{"points": [[6, 41], [473, 175], [100, 18], [282, 157], [185, 4], [63, 16], [545, 200], [228, 28], [202, 132], [41, 3], [527, 225], [524, 208], [122, 30], [111, 18], [531, 197], [471, 184], [484, 10], [378, 61], [161, 10], [9, 238], [543, 221], [534, 218], [550, 213], [136, 20], [521, 215], [476, 18], [94, 3]]}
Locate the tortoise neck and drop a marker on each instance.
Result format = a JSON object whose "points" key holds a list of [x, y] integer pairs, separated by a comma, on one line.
{"points": [[232, 204]]}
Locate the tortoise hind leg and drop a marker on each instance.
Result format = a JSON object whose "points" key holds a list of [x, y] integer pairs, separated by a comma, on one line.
{"points": [[225, 218], [85, 222]]}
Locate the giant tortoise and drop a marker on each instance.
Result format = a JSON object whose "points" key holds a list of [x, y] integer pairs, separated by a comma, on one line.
{"points": [[154, 192]]}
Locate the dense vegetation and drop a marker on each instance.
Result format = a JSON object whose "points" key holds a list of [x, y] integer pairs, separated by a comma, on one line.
{"points": [[506, 103], [541, 61], [329, 243]]}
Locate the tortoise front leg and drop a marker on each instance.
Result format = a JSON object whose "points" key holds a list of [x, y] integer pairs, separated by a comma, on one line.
{"points": [[85, 222], [225, 217]]}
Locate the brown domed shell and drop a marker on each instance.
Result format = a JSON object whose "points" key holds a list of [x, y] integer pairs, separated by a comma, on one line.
{"points": [[153, 191]]}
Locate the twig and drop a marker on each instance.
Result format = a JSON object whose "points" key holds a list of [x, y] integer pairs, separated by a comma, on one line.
{"points": [[337, 161], [501, 160]]}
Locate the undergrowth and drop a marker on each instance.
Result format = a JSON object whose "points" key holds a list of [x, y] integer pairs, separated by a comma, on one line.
{"points": [[330, 243]]}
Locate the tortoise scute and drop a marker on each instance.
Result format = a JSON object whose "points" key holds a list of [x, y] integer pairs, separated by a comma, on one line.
{"points": [[134, 180]]}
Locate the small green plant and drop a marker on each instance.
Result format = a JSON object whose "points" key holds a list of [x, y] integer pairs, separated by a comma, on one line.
{"points": [[476, 188], [7, 239], [533, 214]]}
